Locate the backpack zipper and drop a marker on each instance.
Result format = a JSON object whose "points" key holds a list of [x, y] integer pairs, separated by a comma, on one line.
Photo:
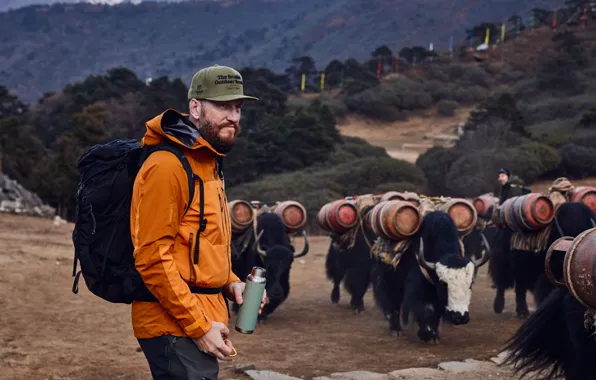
{"points": [[93, 219]]}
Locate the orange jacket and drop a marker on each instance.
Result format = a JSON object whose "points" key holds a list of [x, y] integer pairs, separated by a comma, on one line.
{"points": [[164, 239]]}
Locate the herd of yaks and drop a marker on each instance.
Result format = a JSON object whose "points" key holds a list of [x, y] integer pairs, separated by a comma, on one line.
{"points": [[551, 342]]}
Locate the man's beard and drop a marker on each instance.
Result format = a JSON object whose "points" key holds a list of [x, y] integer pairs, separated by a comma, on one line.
{"points": [[210, 133]]}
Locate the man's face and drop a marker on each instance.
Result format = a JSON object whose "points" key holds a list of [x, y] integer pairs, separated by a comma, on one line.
{"points": [[219, 123], [503, 178]]}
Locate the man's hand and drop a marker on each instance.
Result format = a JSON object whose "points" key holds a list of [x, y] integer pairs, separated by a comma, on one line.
{"points": [[215, 342], [234, 292]]}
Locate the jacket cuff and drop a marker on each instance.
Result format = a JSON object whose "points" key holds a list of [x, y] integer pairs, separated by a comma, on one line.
{"points": [[233, 278], [199, 328]]}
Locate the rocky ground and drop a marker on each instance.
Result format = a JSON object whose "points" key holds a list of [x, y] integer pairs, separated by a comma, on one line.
{"points": [[468, 369], [47, 332]]}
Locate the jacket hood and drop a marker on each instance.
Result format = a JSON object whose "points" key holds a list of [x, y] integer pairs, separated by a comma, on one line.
{"points": [[174, 126]]}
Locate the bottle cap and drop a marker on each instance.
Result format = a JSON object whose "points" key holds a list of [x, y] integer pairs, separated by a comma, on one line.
{"points": [[257, 274]]}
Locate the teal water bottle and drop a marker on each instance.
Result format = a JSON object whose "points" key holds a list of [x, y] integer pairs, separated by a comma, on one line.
{"points": [[252, 296]]}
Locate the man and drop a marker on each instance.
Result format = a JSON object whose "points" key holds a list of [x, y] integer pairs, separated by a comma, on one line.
{"points": [[511, 186], [184, 334]]}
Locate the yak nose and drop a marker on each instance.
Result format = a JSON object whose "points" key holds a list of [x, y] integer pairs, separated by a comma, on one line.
{"points": [[276, 291], [460, 319]]}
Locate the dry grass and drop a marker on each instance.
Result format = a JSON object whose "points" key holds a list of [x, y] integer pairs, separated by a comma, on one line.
{"points": [[405, 140]]}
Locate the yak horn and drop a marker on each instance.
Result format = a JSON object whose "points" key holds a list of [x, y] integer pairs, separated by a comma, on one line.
{"points": [[593, 224], [257, 247], [481, 261], [306, 247], [420, 258]]}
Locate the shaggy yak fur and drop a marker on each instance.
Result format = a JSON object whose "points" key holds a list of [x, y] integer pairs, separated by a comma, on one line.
{"points": [[553, 341]]}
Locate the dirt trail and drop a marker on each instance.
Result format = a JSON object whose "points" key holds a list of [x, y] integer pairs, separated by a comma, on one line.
{"points": [[47, 332], [406, 140]]}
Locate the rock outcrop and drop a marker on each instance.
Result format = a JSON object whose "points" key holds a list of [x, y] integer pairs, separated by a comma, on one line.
{"points": [[15, 199]]}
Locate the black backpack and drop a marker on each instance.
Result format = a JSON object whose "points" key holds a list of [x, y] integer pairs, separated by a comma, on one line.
{"points": [[101, 237]]}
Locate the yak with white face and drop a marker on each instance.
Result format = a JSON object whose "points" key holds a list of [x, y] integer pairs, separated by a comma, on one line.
{"points": [[433, 280], [459, 288]]}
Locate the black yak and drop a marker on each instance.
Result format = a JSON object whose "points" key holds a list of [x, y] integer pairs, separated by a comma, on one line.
{"points": [[553, 341], [432, 281], [353, 265], [524, 270], [272, 250]]}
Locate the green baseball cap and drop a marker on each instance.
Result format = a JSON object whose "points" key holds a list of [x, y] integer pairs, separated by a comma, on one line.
{"points": [[217, 83]]}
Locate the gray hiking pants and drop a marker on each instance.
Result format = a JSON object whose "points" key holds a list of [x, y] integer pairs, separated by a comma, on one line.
{"points": [[178, 358]]}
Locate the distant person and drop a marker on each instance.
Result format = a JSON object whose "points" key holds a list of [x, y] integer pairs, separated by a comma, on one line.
{"points": [[511, 186], [185, 332]]}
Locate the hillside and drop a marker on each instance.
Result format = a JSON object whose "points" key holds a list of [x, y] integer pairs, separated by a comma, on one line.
{"points": [[43, 48], [6, 5]]}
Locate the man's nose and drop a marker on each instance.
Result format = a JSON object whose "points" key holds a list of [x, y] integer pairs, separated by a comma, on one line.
{"points": [[234, 116]]}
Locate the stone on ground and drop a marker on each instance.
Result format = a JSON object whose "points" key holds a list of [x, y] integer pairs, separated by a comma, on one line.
{"points": [[359, 375], [416, 373], [269, 375], [458, 366], [499, 358]]}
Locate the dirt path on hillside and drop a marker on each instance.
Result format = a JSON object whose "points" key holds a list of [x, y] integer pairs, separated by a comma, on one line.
{"points": [[406, 140], [47, 332]]}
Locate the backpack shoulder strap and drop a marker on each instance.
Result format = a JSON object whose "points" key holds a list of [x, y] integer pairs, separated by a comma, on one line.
{"points": [[192, 177], [172, 148]]}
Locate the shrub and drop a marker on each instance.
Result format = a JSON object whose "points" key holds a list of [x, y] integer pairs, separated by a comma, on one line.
{"points": [[553, 133], [373, 104], [353, 148], [476, 76], [337, 107], [474, 173], [446, 107], [556, 108], [396, 186], [472, 94], [315, 187], [577, 161], [548, 157], [512, 75], [435, 164]]}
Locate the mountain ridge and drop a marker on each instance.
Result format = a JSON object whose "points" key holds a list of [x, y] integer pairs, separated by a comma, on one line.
{"points": [[16, 4], [46, 47]]}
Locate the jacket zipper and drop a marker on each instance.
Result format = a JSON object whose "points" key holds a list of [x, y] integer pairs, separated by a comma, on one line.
{"points": [[226, 217], [193, 273]]}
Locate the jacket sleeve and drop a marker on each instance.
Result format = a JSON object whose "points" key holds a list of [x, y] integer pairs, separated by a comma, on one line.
{"points": [[159, 199], [233, 278]]}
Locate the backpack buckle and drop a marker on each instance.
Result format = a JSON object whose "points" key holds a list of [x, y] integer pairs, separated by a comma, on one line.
{"points": [[203, 225]]}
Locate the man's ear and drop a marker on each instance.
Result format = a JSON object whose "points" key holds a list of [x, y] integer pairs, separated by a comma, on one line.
{"points": [[194, 108]]}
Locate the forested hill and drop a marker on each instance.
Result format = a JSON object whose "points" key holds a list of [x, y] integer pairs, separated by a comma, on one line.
{"points": [[43, 48]]}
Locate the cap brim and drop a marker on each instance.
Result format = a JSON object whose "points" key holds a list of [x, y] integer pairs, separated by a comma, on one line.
{"points": [[227, 98]]}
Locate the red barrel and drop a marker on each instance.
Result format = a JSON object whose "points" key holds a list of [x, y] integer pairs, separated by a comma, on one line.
{"points": [[585, 195], [293, 215], [395, 220], [579, 266], [337, 216], [463, 214], [528, 213], [483, 203], [242, 215]]}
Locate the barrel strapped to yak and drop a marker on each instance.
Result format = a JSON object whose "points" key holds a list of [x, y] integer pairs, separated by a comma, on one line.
{"points": [[390, 252], [537, 241], [345, 241]]}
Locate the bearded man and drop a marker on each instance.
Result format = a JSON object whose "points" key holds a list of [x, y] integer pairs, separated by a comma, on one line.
{"points": [[183, 259]]}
